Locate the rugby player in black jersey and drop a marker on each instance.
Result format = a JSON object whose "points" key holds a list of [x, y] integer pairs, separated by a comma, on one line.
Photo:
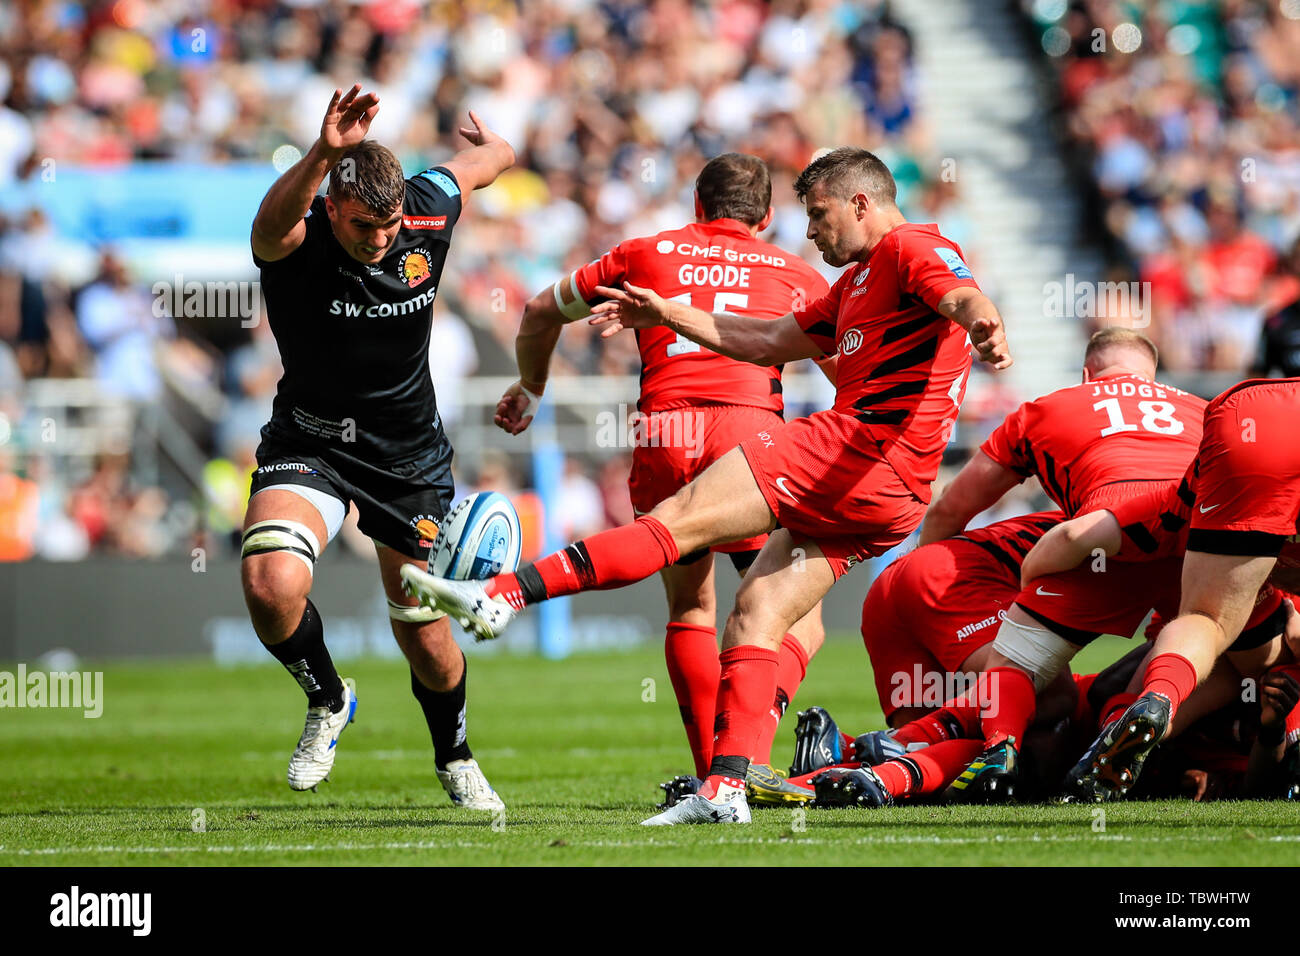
{"points": [[349, 280]]}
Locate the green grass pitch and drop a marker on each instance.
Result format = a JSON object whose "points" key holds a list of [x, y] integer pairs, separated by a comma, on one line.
{"points": [[575, 747]]}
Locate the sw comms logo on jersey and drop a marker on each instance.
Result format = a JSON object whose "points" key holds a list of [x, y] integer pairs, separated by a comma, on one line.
{"points": [[414, 267], [424, 222], [851, 342]]}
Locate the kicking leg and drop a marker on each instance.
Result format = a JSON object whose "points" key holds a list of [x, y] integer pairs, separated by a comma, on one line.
{"points": [[723, 504]]}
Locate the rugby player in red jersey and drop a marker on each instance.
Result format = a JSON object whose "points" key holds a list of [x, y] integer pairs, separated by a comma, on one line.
{"points": [[695, 404], [927, 623], [1236, 515], [842, 484], [1116, 436]]}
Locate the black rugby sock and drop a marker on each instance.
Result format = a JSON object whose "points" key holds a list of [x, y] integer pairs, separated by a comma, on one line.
{"points": [[444, 712], [304, 656]]}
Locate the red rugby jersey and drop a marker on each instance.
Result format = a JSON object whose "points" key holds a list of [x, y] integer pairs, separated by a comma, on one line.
{"points": [[1008, 541], [718, 267], [1082, 437], [903, 366]]}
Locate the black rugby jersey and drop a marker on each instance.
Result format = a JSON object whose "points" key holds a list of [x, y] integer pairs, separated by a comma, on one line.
{"points": [[354, 338]]}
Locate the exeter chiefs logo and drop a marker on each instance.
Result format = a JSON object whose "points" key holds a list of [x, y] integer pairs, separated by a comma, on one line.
{"points": [[426, 528], [414, 267]]}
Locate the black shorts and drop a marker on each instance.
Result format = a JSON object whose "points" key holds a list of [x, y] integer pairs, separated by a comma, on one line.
{"points": [[400, 504]]}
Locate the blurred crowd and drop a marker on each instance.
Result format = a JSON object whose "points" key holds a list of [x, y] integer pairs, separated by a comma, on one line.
{"points": [[612, 107], [1190, 115]]}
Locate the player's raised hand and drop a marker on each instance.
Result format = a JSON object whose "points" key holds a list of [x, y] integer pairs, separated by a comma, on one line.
{"points": [[348, 118], [990, 341], [515, 410], [479, 134], [631, 307]]}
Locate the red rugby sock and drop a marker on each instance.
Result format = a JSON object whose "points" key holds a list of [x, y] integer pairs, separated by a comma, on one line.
{"points": [[1172, 676], [745, 691], [929, 770], [1115, 706], [791, 667], [1009, 692], [692, 655], [957, 719], [611, 559]]}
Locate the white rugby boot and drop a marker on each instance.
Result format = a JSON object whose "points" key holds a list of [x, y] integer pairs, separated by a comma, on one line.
{"points": [[466, 601], [468, 788], [314, 755], [697, 808]]}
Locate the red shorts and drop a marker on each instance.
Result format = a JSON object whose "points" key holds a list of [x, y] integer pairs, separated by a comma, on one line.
{"points": [[1247, 473], [1082, 604], [927, 612], [845, 498], [680, 443]]}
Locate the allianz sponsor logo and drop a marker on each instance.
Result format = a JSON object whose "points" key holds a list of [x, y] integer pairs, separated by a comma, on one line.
{"points": [[77, 690], [970, 629], [77, 909], [382, 310]]}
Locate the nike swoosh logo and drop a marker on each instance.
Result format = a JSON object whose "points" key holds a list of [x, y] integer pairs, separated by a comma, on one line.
{"points": [[1205, 510], [1043, 593], [784, 489]]}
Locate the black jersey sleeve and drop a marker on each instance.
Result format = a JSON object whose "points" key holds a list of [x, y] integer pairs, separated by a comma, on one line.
{"points": [[317, 219], [434, 194]]}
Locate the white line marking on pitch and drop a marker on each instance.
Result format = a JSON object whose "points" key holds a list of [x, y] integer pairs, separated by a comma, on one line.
{"points": [[774, 841]]}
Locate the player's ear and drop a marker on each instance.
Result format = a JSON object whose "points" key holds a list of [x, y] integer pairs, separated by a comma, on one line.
{"points": [[699, 208], [1087, 376], [861, 204], [766, 220]]}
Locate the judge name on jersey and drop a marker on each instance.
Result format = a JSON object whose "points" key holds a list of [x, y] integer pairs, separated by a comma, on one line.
{"points": [[1140, 390]]}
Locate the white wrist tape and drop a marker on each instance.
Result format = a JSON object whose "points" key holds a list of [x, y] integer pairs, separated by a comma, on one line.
{"points": [[533, 402]]}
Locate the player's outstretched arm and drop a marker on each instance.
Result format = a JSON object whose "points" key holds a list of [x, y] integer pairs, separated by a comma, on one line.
{"points": [[742, 337], [974, 312], [978, 486], [279, 228], [539, 331], [1071, 543], [483, 162]]}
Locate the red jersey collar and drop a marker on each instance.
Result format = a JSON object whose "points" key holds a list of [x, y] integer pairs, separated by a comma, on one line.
{"points": [[726, 225]]}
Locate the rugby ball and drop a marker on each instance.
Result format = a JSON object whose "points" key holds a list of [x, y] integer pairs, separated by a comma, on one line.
{"points": [[479, 538]]}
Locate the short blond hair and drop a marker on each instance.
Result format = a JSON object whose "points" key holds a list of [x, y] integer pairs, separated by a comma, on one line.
{"points": [[1117, 337]]}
